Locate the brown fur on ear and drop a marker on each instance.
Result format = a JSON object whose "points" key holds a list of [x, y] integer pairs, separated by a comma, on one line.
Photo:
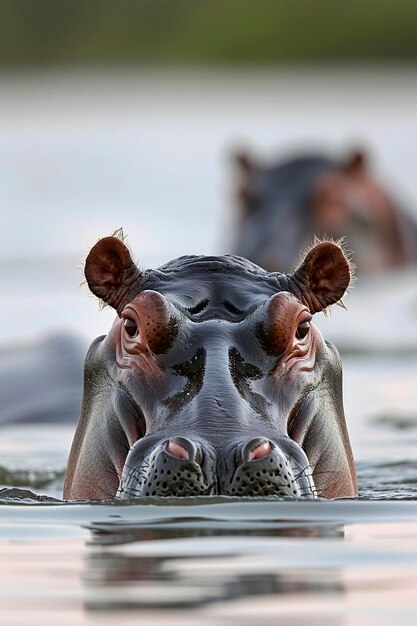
{"points": [[244, 161], [246, 167], [323, 276], [355, 162], [110, 271]]}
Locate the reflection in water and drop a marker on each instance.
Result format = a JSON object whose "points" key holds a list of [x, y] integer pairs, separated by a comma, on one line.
{"points": [[175, 567], [105, 535], [236, 563]]}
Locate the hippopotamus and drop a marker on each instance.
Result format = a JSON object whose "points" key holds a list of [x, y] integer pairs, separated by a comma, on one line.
{"points": [[282, 205], [213, 379], [41, 380]]}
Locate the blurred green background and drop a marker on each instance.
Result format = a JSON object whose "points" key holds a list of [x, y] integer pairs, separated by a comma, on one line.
{"points": [[74, 32]]}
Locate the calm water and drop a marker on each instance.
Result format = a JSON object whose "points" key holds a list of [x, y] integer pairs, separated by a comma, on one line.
{"points": [[144, 152]]}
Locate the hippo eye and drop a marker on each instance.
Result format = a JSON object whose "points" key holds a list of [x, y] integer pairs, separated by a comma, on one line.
{"points": [[130, 326], [302, 329]]}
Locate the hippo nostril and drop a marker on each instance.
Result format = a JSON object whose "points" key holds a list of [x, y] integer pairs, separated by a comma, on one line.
{"points": [[254, 450], [175, 449], [260, 451], [183, 448]]}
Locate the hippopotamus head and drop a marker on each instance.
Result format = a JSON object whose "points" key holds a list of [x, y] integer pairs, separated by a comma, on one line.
{"points": [[212, 380], [282, 205]]}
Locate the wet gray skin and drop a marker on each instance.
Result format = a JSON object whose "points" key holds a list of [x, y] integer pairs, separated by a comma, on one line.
{"points": [[212, 380]]}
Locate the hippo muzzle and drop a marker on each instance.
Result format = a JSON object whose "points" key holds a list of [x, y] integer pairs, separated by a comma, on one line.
{"points": [[212, 380], [180, 467]]}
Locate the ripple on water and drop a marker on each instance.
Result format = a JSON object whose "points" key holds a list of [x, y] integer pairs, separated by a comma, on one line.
{"points": [[377, 480]]}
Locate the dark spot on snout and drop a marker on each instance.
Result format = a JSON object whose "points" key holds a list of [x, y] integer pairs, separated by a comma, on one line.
{"points": [[242, 373], [193, 371], [268, 346]]}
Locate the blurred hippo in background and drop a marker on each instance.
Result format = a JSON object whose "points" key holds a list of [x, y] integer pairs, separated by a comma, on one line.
{"points": [[41, 380], [283, 205], [212, 380]]}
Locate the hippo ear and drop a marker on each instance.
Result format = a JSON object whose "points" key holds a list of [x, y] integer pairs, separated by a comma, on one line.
{"points": [[246, 167], [355, 162], [110, 272], [244, 161], [323, 276]]}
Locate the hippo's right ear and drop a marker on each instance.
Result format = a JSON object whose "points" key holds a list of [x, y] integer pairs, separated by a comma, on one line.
{"points": [[323, 276], [355, 163], [244, 161], [110, 272]]}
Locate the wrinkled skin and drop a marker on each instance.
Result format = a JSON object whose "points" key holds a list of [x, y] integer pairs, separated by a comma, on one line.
{"points": [[212, 380], [282, 206]]}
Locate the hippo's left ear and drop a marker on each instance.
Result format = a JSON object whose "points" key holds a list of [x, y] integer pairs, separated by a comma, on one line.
{"points": [[355, 163], [111, 272], [323, 276]]}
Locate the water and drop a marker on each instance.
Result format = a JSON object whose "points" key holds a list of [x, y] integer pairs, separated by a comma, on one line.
{"points": [[210, 562], [143, 151]]}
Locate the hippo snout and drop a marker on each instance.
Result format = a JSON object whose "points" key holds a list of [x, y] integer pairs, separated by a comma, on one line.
{"points": [[266, 468], [180, 467], [175, 467]]}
